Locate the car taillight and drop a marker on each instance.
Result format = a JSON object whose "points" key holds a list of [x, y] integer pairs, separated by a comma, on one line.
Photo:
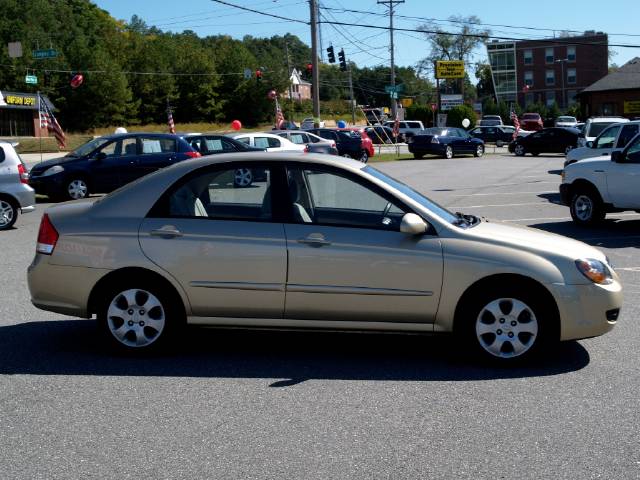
{"points": [[24, 175], [47, 236], [333, 144], [193, 154], [306, 149]]}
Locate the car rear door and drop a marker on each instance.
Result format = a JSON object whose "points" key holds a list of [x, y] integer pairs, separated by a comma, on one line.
{"points": [[347, 258], [224, 245], [155, 153], [623, 178]]}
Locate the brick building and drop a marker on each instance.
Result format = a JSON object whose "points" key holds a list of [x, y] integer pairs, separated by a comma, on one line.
{"points": [[548, 71], [616, 94]]}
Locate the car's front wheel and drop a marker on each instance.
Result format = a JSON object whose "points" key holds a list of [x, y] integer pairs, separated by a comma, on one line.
{"points": [[364, 156], [8, 214], [77, 188], [479, 151], [242, 177], [519, 150], [139, 316], [499, 143], [448, 152], [586, 207], [507, 324]]}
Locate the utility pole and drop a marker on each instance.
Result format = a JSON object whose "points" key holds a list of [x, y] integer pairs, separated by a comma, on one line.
{"points": [[390, 4], [320, 32], [562, 61], [315, 79], [353, 101]]}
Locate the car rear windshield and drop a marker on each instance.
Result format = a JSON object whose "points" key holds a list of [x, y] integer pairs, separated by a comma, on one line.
{"points": [[596, 129], [566, 119], [349, 134], [530, 116], [440, 132]]}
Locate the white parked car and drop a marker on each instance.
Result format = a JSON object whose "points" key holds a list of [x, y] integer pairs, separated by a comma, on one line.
{"points": [[566, 121], [15, 193], [269, 141], [613, 138], [594, 127], [407, 128], [595, 186]]}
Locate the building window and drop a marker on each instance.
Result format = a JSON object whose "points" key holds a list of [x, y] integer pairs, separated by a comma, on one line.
{"points": [[528, 78], [571, 54], [551, 98], [528, 57], [550, 77], [571, 97], [548, 55], [571, 75], [528, 99]]}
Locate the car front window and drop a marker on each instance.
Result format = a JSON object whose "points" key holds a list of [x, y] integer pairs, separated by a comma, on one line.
{"points": [[88, 147], [596, 129], [607, 137]]}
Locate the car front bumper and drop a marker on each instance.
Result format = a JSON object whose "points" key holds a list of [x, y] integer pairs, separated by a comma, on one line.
{"points": [[587, 310], [565, 194], [49, 185]]}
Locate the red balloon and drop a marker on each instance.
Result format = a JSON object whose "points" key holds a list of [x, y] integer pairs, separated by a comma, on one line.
{"points": [[77, 80], [236, 125]]}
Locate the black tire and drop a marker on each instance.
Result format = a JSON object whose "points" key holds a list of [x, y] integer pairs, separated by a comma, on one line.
{"points": [[519, 150], [364, 156], [448, 152], [586, 207], [418, 156], [479, 151], [506, 298], [535, 154], [171, 306], [9, 207], [76, 184], [499, 143]]}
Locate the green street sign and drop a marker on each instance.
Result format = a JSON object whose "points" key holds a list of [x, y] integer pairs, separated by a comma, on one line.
{"points": [[31, 79], [393, 95], [40, 54], [397, 88]]}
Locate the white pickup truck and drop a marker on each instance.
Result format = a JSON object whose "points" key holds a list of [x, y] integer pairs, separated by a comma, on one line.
{"points": [[595, 186]]}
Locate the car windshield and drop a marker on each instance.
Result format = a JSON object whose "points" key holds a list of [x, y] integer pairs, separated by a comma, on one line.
{"points": [[596, 129], [88, 147], [416, 196]]}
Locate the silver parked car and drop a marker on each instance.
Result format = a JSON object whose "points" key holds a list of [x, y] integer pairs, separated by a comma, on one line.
{"points": [[320, 243], [15, 193]]}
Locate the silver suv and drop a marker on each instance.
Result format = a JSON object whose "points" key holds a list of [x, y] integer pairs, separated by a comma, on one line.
{"points": [[15, 193]]}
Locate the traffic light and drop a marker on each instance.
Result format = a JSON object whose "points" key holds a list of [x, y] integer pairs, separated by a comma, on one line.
{"points": [[343, 62], [331, 56], [309, 68], [258, 75]]}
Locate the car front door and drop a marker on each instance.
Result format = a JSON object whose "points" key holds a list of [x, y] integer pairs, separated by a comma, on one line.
{"points": [[221, 243], [347, 258], [108, 167], [623, 178], [604, 143]]}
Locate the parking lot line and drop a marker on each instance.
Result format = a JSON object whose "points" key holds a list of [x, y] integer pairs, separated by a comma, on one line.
{"points": [[505, 193], [565, 218], [505, 205]]}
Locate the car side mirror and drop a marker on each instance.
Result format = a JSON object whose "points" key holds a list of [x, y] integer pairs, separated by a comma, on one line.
{"points": [[590, 144], [100, 156], [413, 224], [617, 157]]}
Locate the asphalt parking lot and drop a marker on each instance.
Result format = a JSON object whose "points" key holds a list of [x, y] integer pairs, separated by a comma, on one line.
{"points": [[238, 404]]}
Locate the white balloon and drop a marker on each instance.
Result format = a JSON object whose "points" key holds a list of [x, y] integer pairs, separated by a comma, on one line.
{"points": [[121, 130], [466, 123]]}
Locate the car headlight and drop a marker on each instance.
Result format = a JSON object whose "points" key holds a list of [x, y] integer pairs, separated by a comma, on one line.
{"points": [[53, 170], [595, 270]]}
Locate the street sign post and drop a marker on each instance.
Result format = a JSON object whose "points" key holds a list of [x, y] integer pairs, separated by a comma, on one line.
{"points": [[31, 79], [42, 54]]}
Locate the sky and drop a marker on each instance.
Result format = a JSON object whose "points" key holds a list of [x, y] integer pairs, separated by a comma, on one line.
{"points": [[369, 47]]}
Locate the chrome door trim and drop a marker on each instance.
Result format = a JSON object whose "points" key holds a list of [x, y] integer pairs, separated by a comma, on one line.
{"points": [[357, 290], [294, 324], [263, 287]]}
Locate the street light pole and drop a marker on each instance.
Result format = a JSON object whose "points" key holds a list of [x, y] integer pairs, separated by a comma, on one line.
{"points": [[562, 61]]}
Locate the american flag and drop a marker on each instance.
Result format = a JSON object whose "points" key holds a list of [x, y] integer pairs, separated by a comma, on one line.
{"points": [[516, 122], [172, 126], [396, 126], [48, 121], [279, 116]]}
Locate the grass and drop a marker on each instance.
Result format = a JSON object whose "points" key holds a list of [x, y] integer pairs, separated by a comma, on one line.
{"points": [[390, 157], [34, 145]]}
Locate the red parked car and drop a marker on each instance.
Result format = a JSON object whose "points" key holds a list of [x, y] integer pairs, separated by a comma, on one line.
{"points": [[367, 144], [531, 121]]}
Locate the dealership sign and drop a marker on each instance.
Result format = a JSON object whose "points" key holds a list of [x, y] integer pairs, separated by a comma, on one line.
{"points": [[450, 69], [447, 102], [632, 106]]}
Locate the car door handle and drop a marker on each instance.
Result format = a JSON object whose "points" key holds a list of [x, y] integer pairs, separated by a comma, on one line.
{"points": [[314, 240], [167, 231]]}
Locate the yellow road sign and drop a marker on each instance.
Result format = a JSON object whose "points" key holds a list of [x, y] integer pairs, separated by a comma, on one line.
{"points": [[407, 102], [632, 106], [449, 69]]}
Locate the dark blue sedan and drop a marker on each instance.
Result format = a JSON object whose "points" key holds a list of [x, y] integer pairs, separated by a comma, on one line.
{"points": [[107, 163], [445, 142]]}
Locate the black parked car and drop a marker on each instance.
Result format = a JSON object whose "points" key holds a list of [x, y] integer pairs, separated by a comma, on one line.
{"points": [[501, 135], [348, 142], [380, 134], [106, 163], [548, 140], [446, 142]]}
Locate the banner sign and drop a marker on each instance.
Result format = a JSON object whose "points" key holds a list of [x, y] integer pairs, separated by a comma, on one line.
{"points": [[450, 69], [447, 102], [632, 106]]}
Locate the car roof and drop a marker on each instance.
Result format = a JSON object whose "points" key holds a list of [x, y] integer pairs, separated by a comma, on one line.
{"points": [[607, 119]]}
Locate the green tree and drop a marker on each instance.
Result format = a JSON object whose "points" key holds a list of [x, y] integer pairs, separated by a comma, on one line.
{"points": [[457, 114]]}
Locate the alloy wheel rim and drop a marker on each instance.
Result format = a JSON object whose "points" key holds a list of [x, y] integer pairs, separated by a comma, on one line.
{"points": [[243, 177], [77, 189], [6, 213], [583, 207], [364, 157], [519, 149], [480, 150], [506, 328], [449, 152], [136, 318]]}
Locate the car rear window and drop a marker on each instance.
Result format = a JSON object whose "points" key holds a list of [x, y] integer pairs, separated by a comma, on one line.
{"points": [[297, 138], [413, 125], [158, 145]]}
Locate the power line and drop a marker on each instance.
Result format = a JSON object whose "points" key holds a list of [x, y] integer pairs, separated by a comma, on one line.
{"points": [[297, 20]]}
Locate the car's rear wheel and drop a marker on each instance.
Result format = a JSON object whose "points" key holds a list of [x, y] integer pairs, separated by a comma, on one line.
{"points": [[479, 151], [139, 316], [364, 156], [448, 152], [77, 188], [586, 207], [499, 143], [242, 177], [8, 213], [519, 150], [507, 324]]}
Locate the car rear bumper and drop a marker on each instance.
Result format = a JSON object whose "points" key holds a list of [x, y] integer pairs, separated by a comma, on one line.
{"points": [[427, 148], [587, 310], [24, 194]]}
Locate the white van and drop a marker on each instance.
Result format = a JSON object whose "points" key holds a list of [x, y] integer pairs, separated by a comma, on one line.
{"points": [[594, 127]]}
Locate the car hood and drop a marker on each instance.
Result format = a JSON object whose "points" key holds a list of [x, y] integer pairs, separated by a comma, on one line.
{"points": [[533, 240], [41, 166], [581, 153]]}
